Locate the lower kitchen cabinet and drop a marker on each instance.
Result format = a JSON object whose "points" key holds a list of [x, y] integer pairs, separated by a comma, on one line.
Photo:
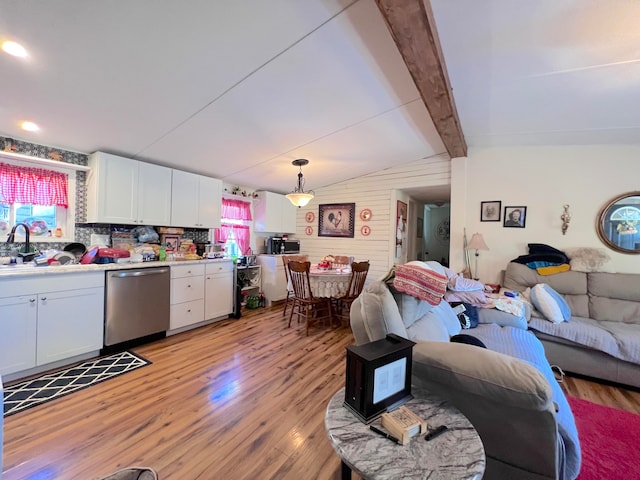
{"points": [[18, 324], [70, 323], [48, 318], [219, 287], [274, 281], [187, 295]]}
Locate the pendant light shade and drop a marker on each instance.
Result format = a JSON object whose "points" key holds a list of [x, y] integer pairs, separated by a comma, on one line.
{"points": [[299, 197]]}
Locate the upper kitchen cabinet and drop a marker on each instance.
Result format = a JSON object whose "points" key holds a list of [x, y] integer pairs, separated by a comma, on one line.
{"points": [[274, 213], [196, 200], [122, 190]]}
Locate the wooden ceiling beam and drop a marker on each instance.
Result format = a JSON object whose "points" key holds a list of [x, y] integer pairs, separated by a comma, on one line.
{"points": [[413, 29]]}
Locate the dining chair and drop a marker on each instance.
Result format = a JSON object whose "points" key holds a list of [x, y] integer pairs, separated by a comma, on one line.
{"points": [[342, 261], [342, 302], [305, 305], [285, 260]]}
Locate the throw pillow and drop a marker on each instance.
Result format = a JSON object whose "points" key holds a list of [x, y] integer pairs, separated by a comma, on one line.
{"points": [[586, 259], [550, 303], [420, 282]]}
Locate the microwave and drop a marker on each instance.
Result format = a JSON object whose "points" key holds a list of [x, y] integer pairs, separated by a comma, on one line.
{"points": [[277, 245]]}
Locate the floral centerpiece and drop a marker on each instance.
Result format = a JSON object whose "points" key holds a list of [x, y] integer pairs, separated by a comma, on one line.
{"points": [[326, 263]]}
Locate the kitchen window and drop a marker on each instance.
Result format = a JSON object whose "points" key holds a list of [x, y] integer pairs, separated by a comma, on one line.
{"points": [[234, 231], [41, 198]]}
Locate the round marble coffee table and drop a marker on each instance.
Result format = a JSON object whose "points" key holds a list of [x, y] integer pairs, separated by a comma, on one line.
{"points": [[456, 454]]}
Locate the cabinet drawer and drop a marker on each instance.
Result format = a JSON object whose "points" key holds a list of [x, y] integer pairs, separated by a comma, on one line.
{"points": [[179, 271], [187, 289], [219, 267], [186, 313], [51, 282]]}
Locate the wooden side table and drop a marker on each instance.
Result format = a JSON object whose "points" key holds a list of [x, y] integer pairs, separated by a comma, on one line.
{"points": [[457, 453]]}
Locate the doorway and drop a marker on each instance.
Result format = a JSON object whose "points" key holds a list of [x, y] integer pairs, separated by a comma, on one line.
{"points": [[433, 242]]}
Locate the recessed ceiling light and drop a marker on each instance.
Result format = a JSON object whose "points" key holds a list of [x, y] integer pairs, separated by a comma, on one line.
{"points": [[29, 126], [13, 48]]}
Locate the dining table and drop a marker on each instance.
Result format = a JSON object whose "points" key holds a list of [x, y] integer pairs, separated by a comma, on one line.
{"points": [[329, 282]]}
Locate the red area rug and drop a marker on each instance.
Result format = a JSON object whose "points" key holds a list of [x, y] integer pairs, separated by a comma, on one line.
{"points": [[608, 439]]}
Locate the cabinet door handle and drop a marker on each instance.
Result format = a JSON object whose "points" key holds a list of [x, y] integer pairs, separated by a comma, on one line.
{"points": [[208, 278], [32, 300], [44, 299], [188, 286], [189, 311]]}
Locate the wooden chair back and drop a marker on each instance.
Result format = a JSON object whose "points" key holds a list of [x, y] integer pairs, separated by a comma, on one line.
{"points": [[288, 258], [359, 271], [299, 278], [342, 260]]}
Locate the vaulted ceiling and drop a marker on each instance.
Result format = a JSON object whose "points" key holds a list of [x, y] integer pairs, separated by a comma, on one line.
{"points": [[237, 90]]}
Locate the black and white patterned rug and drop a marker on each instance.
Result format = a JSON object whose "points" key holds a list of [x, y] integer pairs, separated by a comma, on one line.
{"points": [[54, 385]]}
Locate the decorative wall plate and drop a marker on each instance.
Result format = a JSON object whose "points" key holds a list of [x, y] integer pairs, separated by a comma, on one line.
{"points": [[308, 230], [365, 214], [365, 230], [310, 217]]}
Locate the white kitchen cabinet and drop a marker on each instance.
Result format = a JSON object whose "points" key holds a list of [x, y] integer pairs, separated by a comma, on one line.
{"points": [[18, 321], [274, 213], [196, 200], [49, 318], [274, 282], [70, 323], [154, 194], [187, 295], [219, 288], [122, 190]]}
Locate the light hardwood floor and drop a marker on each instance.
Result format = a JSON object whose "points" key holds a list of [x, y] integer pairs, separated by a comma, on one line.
{"points": [[238, 399]]}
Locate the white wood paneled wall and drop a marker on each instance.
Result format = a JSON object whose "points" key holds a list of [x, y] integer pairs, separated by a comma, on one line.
{"points": [[377, 192]]}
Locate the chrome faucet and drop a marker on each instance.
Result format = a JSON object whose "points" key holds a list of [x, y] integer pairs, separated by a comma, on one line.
{"points": [[12, 235]]}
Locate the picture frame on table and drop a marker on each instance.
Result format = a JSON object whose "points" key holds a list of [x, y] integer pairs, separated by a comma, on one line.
{"points": [[515, 217], [490, 211], [336, 220]]}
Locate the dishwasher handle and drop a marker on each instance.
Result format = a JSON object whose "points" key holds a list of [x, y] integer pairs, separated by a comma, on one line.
{"points": [[139, 273]]}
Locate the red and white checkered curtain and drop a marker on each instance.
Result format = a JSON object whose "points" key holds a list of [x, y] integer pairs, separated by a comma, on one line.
{"points": [[236, 209], [36, 186]]}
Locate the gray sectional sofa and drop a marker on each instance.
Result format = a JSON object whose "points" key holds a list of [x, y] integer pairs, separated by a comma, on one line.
{"points": [[507, 391], [602, 337]]}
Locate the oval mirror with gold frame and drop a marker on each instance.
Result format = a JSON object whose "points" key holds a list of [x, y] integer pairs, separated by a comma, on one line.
{"points": [[618, 223]]}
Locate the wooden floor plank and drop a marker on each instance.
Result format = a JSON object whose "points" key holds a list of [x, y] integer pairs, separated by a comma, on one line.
{"points": [[236, 399]]}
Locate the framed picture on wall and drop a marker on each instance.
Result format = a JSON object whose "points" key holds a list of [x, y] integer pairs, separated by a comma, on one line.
{"points": [[336, 220], [401, 228], [490, 211], [515, 217]]}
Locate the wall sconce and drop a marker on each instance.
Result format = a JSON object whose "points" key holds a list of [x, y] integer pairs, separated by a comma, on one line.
{"points": [[477, 243], [566, 218]]}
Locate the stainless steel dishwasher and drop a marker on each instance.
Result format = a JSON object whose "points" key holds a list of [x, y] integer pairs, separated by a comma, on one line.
{"points": [[136, 303]]}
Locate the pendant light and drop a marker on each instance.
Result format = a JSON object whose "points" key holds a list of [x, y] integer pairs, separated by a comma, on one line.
{"points": [[299, 197]]}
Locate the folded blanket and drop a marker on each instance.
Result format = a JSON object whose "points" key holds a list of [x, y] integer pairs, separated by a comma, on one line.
{"points": [[553, 269], [420, 282]]}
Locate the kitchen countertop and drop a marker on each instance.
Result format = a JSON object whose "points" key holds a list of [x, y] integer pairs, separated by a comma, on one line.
{"points": [[31, 270]]}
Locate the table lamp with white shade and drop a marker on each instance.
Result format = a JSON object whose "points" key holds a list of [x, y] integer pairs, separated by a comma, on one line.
{"points": [[477, 243]]}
